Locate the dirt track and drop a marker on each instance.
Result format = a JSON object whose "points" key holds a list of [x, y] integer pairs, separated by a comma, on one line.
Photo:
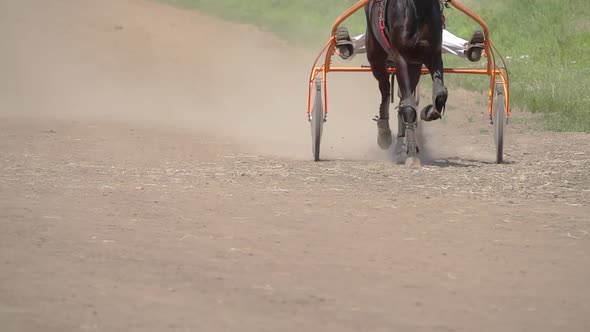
{"points": [[148, 183]]}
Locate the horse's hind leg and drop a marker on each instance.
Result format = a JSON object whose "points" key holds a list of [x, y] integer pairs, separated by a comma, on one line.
{"points": [[377, 59], [439, 90]]}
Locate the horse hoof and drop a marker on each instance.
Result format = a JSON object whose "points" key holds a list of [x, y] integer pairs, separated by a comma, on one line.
{"points": [[429, 113], [441, 100], [413, 162], [384, 139], [399, 153]]}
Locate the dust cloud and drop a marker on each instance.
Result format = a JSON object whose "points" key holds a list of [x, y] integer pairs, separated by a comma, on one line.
{"points": [[147, 64]]}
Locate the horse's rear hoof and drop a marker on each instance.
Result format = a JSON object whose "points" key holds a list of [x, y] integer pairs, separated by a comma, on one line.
{"points": [[441, 94], [429, 113], [441, 101], [384, 138], [413, 162]]}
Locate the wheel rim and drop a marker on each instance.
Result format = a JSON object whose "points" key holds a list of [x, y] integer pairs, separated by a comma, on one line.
{"points": [[499, 118], [317, 120]]}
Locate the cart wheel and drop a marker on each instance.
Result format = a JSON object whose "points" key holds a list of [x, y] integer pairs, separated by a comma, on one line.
{"points": [[317, 120], [499, 120]]}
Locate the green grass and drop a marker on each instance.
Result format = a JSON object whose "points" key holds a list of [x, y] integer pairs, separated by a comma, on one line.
{"points": [[547, 43]]}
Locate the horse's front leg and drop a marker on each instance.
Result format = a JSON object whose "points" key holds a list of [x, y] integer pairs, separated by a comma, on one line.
{"points": [[408, 76], [407, 83], [439, 90]]}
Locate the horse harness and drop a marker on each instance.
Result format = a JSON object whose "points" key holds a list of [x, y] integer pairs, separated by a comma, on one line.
{"points": [[380, 22]]}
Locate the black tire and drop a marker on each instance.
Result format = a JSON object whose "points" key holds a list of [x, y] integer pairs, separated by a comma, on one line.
{"points": [[317, 121], [499, 121]]}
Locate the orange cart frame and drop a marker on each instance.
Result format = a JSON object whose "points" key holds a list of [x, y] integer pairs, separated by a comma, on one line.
{"points": [[498, 75]]}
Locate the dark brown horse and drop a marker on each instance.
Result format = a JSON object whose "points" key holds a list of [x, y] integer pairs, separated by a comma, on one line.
{"points": [[409, 33]]}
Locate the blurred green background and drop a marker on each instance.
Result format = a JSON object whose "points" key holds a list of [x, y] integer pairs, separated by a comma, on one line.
{"points": [[546, 43]]}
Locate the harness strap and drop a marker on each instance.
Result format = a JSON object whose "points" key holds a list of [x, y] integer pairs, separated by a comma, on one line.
{"points": [[384, 32], [444, 4], [382, 27]]}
